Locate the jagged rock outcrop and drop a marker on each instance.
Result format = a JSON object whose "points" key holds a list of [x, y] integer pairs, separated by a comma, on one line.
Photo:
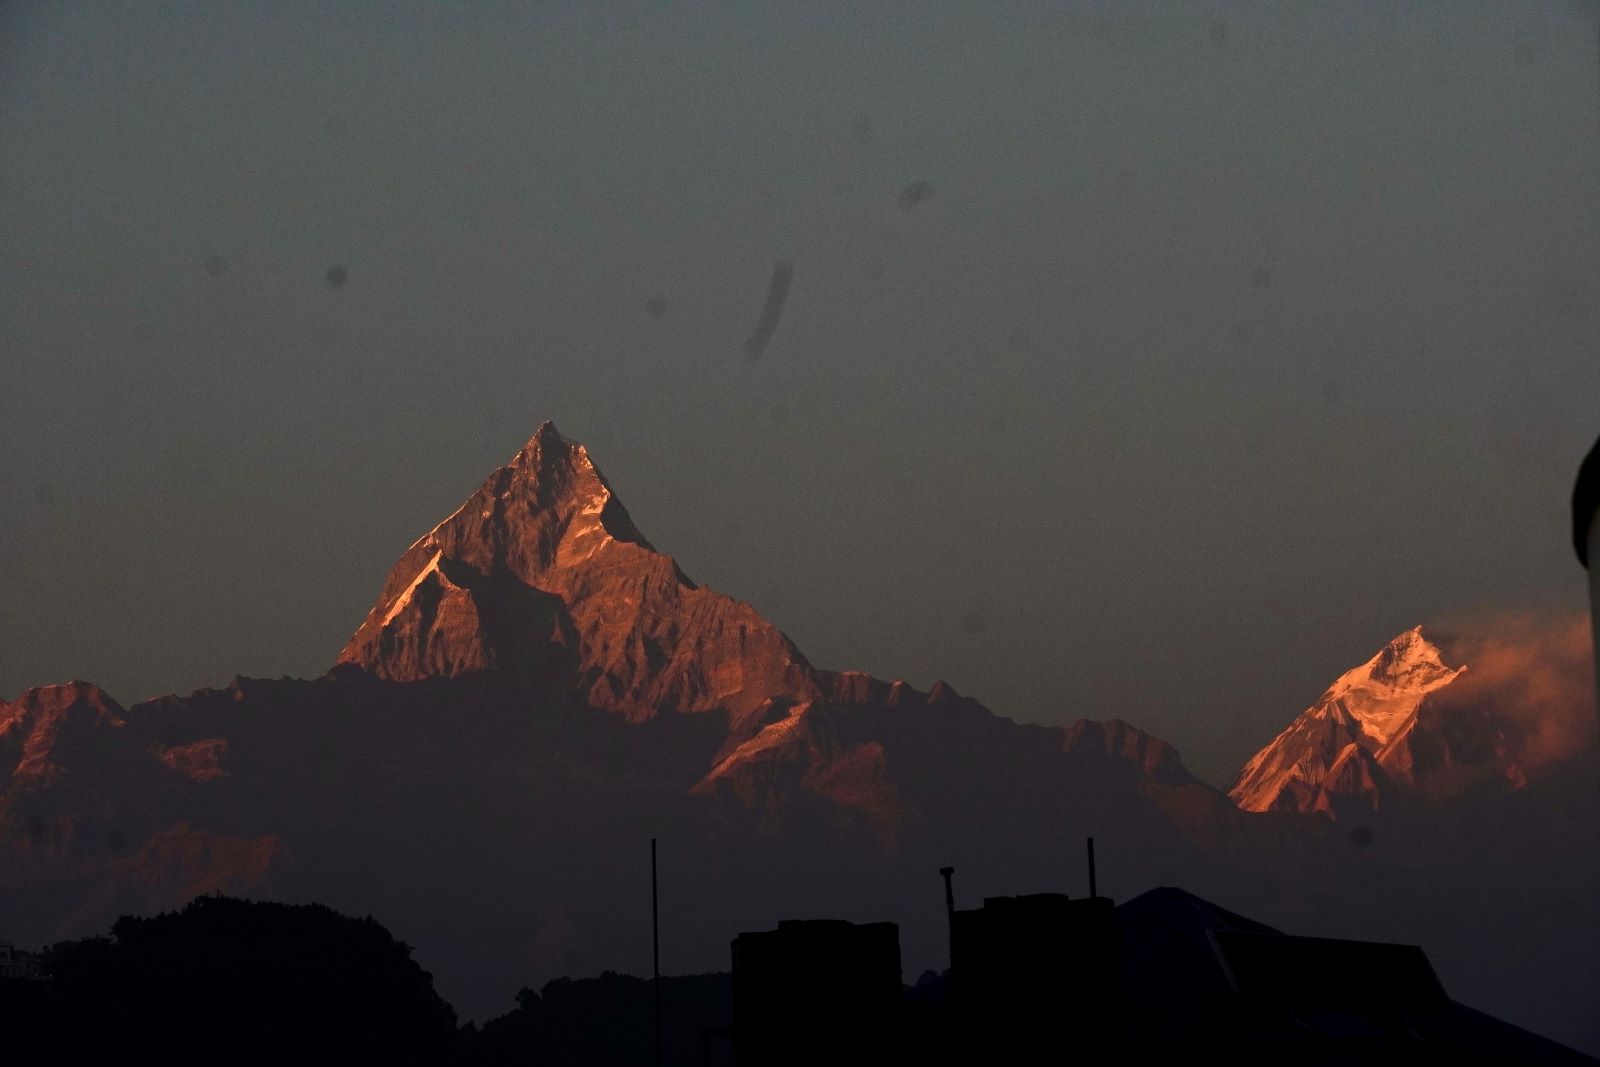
{"points": [[41, 719]]}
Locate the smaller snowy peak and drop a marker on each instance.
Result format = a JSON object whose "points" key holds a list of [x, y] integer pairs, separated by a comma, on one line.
{"points": [[1382, 695], [1409, 660], [1341, 747]]}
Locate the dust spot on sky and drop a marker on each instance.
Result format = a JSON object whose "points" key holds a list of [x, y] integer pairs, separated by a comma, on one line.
{"points": [[656, 306], [334, 126], [861, 128], [915, 195], [1244, 332], [1127, 177], [1332, 391], [994, 422], [872, 269], [1218, 32], [781, 413], [45, 493], [1018, 340], [731, 529], [1361, 836], [1261, 278], [771, 309], [353, 375], [216, 266], [973, 623], [948, 554], [337, 276], [889, 236], [773, 599]]}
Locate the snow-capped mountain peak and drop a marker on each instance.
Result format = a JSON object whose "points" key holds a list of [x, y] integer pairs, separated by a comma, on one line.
{"points": [[1371, 708], [542, 573], [1383, 693]]}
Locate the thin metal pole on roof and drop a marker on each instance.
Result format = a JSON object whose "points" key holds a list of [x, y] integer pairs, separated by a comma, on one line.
{"points": [[950, 909], [655, 947], [1092, 892]]}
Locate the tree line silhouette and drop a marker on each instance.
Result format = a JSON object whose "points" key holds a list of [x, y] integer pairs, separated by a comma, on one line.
{"points": [[230, 980], [1168, 977]]}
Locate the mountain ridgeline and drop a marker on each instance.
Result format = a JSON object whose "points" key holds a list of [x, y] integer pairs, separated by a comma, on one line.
{"points": [[538, 691]]}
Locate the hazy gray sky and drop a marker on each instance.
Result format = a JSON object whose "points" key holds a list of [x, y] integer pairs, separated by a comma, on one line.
{"points": [[1232, 340]]}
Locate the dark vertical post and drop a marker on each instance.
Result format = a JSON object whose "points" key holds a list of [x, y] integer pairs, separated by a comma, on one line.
{"points": [[1092, 893], [655, 947], [950, 911]]}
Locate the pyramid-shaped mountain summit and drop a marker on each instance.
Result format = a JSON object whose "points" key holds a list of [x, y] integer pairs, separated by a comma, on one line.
{"points": [[541, 573]]}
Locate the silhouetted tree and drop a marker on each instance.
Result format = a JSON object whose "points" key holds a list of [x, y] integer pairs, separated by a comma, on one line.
{"points": [[606, 1020], [236, 981]]}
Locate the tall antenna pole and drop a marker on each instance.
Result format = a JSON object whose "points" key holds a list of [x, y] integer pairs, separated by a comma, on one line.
{"points": [[1092, 893], [950, 910], [655, 947]]}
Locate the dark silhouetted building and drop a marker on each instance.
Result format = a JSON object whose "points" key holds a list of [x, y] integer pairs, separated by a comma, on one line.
{"points": [[14, 963], [1202, 983], [1036, 978], [1167, 977], [818, 991]]}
